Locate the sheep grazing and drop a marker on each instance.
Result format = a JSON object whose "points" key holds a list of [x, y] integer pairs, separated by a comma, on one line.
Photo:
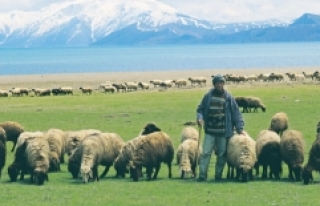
{"points": [[86, 90], [98, 149], [279, 123], [19, 164], [74, 162], [144, 85], [189, 133], [121, 163], [241, 155], [56, 140], [37, 155], [268, 154], [150, 152], [13, 130], [242, 102], [292, 152], [188, 157], [255, 103], [73, 138], [3, 152]]}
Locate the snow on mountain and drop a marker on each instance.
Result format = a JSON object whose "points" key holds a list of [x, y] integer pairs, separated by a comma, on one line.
{"points": [[83, 22]]}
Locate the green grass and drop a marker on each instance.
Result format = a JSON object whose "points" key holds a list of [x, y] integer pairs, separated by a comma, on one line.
{"points": [[126, 114]]}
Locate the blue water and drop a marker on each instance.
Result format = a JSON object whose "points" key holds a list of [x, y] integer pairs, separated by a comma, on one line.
{"points": [[222, 56]]}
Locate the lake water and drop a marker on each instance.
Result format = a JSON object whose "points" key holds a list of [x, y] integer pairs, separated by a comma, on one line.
{"points": [[157, 58]]}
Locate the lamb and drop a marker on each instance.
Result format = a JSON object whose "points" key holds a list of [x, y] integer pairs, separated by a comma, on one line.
{"points": [[292, 152], [313, 162], [188, 156], [255, 103], [279, 123], [56, 140], [37, 155], [13, 130], [20, 161], [150, 152], [98, 149], [86, 90], [73, 138], [126, 153], [268, 154], [241, 155], [3, 152]]}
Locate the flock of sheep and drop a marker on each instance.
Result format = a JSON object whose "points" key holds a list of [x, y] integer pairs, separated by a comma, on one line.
{"points": [[39, 153], [106, 87]]}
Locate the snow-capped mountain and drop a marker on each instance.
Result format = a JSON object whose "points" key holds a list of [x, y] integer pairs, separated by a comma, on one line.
{"points": [[103, 22]]}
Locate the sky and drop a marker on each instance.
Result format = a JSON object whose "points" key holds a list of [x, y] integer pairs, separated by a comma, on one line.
{"points": [[224, 11]]}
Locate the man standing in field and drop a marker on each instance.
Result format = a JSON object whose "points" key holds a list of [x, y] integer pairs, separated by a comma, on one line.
{"points": [[218, 113]]}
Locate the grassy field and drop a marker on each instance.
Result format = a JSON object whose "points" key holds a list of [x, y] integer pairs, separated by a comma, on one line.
{"points": [[126, 114]]}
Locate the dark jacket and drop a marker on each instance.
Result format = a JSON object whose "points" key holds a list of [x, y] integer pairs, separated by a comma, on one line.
{"points": [[234, 119]]}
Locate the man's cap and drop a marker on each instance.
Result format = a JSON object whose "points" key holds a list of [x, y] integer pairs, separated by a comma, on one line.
{"points": [[218, 78]]}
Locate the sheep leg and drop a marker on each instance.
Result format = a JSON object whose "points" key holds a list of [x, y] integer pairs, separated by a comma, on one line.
{"points": [[290, 172], [238, 172], [297, 174], [14, 146], [95, 174], [155, 175], [106, 170], [149, 170], [169, 169], [256, 167], [250, 174], [264, 171], [228, 172]]}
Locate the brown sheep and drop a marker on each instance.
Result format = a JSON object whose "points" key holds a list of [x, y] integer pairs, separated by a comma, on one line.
{"points": [[313, 162], [13, 130], [3, 152], [279, 123], [151, 151]]}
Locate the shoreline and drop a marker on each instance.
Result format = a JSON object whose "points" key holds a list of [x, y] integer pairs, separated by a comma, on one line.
{"points": [[95, 79]]}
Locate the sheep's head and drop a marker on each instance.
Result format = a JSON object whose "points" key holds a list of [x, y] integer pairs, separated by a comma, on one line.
{"points": [[74, 169], [13, 171], [307, 174], [263, 108], [54, 164], [120, 166], [86, 173], [150, 128], [135, 171], [40, 175], [318, 127]]}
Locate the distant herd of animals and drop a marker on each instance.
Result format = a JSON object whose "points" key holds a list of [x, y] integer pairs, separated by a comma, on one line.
{"points": [[109, 87], [39, 153]]}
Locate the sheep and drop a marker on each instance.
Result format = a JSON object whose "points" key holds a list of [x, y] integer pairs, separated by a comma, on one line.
{"points": [[120, 86], [55, 91], [255, 103], [197, 81], [109, 89], [4, 93], [126, 153], [313, 162], [131, 86], [180, 82], [98, 149], [86, 90], [166, 84], [252, 78], [56, 140], [73, 138], [276, 77], [188, 156], [66, 90], [264, 77], [3, 152], [63, 138], [292, 152], [156, 82], [37, 155], [20, 161], [268, 154], [279, 122], [44, 92], [189, 133], [144, 85], [15, 92], [74, 162], [241, 155], [308, 75], [13, 130], [150, 152], [242, 102]]}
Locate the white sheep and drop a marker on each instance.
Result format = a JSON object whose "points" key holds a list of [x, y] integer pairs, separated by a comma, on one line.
{"points": [[98, 149], [241, 155], [37, 155], [292, 151], [268, 153], [56, 140], [187, 157], [279, 122], [189, 133]]}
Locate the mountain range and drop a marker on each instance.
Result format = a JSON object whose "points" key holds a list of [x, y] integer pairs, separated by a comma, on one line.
{"points": [[86, 23]]}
